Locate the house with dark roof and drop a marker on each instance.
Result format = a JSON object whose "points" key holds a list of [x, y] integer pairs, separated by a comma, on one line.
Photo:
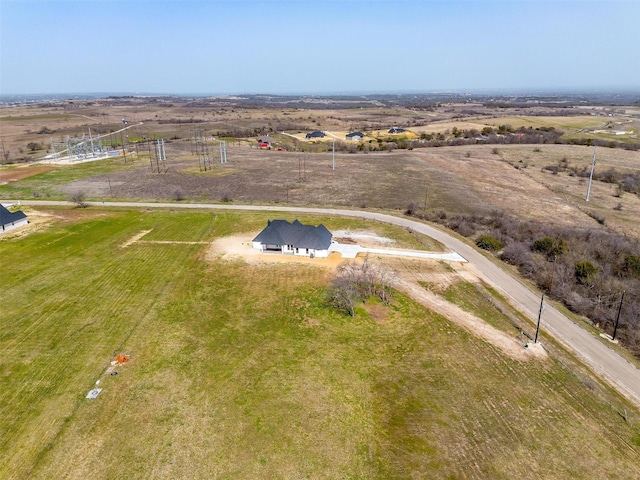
{"points": [[316, 134], [10, 220], [294, 239], [355, 136], [396, 130]]}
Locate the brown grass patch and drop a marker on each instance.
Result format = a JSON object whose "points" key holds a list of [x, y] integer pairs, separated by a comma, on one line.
{"points": [[380, 313], [14, 174]]}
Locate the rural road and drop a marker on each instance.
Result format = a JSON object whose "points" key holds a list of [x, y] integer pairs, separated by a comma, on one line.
{"points": [[605, 362]]}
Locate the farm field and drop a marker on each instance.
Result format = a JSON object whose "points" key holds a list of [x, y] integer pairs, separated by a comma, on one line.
{"points": [[28, 131], [240, 370], [512, 180]]}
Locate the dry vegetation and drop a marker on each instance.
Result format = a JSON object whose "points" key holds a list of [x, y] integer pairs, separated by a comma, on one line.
{"points": [[240, 370]]}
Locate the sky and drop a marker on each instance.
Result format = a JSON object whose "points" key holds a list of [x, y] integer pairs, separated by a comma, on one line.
{"points": [[318, 46]]}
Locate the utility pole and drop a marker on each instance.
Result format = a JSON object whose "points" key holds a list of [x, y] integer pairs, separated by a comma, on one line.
{"points": [[593, 166], [124, 152], [124, 125], [535, 340], [333, 158], [615, 328], [150, 155], [553, 271]]}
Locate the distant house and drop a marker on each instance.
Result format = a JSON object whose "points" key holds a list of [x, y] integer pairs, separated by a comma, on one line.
{"points": [[355, 136], [396, 130], [316, 134], [294, 239], [10, 220], [266, 142]]}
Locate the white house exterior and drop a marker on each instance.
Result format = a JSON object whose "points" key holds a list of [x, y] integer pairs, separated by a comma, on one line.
{"points": [[355, 136], [10, 220], [294, 239]]}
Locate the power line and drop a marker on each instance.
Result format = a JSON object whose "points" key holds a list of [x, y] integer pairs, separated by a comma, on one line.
{"points": [[593, 166]]}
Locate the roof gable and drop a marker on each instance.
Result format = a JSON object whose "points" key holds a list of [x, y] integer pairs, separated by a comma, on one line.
{"points": [[316, 134], [7, 217], [281, 232]]}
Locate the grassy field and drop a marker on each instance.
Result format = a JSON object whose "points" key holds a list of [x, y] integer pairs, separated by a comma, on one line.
{"points": [[568, 124], [47, 184], [241, 371], [512, 181]]}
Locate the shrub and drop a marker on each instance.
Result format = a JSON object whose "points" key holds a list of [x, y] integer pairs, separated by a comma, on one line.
{"points": [[487, 242], [550, 247], [411, 209], [596, 216], [632, 264], [517, 254], [178, 195], [585, 271]]}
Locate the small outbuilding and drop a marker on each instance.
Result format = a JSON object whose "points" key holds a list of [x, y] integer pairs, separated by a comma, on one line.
{"points": [[10, 220], [316, 134], [294, 239], [355, 136], [397, 130]]}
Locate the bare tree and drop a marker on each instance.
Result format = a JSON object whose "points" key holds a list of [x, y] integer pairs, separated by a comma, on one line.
{"points": [[357, 282], [343, 295], [79, 198]]}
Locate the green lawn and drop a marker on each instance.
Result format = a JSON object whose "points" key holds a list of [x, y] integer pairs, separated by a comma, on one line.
{"points": [[241, 371], [44, 184], [568, 124]]}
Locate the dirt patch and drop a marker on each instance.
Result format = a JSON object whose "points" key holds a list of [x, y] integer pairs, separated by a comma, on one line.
{"points": [[241, 247], [18, 173], [410, 278], [40, 220], [135, 238], [515, 348], [361, 237], [311, 323], [378, 312]]}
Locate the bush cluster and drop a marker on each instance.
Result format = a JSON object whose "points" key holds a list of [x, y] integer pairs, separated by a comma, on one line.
{"points": [[585, 268]]}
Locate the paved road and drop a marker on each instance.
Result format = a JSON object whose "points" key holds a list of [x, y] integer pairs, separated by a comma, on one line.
{"points": [[608, 364]]}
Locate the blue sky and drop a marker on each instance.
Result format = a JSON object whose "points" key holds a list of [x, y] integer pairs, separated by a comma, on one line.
{"points": [[281, 47]]}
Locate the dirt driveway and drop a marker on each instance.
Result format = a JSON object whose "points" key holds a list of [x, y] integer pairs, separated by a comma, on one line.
{"points": [[407, 281]]}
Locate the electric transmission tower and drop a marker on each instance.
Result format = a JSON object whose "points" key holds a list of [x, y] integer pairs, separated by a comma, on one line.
{"points": [[157, 156], [200, 148], [223, 152]]}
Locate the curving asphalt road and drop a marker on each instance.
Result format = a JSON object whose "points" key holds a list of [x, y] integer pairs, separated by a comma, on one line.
{"points": [[605, 362]]}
